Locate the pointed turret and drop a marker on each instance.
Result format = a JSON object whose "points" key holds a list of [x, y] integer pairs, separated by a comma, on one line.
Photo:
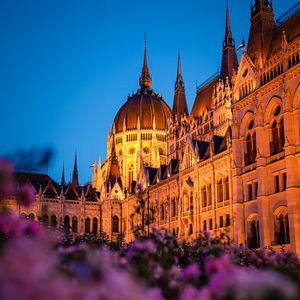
{"points": [[114, 174], [229, 57], [62, 181], [261, 30], [75, 173], [145, 79], [179, 104]]}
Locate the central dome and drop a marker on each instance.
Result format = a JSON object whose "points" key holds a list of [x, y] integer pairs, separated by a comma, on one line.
{"points": [[143, 107]]}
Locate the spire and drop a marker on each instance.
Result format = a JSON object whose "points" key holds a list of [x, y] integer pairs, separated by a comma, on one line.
{"points": [[75, 173], [179, 80], [179, 104], [228, 39], [145, 79], [62, 181], [229, 57]]}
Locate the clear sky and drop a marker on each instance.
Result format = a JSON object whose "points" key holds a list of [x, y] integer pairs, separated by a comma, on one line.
{"points": [[67, 66]]}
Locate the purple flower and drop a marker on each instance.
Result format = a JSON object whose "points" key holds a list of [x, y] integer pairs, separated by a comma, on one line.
{"points": [[25, 195], [190, 272]]}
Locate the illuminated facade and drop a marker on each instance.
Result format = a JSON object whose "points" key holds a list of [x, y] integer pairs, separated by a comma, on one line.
{"points": [[231, 165]]}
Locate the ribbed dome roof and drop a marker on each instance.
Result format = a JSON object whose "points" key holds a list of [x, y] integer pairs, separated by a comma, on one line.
{"points": [[145, 106]]}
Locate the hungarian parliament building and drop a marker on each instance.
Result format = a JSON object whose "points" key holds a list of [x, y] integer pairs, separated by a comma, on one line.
{"points": [[231, 164]]}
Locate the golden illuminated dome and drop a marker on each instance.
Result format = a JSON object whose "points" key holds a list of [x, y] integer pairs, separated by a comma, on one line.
{"points": [[145, 109]]}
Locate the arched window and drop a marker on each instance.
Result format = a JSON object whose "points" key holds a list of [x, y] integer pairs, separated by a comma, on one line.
{"points": [[173, 208], [115, 224], [45, 220], [67, 223], [253, 235], [209, 195], [250, 148], [162, 212], [204, 196], [95, 225], [282, 234], [220, 190], [53, 221], [191, 201], [226, 188], [31, 217], [281, 135], [87, 225], [74, 224], [277, 136], [23, 216]]}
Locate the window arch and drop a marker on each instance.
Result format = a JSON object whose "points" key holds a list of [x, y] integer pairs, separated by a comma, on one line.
{"points": [[277, 136], [45, 220], [226, 188], [253, 233], [281, 226], [115, 224], [53, 221], [31, 217], [250, 144], [87, 225], [162, 211], [74, 224], [95, 225], [173, 208], [220, 190], [67, 223]]}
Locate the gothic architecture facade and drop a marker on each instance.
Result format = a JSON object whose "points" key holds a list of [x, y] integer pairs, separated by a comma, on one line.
{"points": [[230, 165]]}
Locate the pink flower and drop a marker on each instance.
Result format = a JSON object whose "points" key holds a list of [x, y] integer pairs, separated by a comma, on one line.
{"points": [[25, 195], [6, 178]]}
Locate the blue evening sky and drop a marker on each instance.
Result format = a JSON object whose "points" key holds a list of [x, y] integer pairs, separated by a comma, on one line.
{"points": [[67, 66]]}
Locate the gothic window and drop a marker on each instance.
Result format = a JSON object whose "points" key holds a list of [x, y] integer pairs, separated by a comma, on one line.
{"points": [[87, 225], [173, 208], [204, 196], [209, 195], [162, 212], [227, 221], [249, 192], [226, 188], [220, 190], [282, 234], [45, 220], [221, 222], [53, 221], [283, 175], [115, 224], [95, 225], [74, 224], [22, 216], [277, 133], [31, 217], [250, 148], [210, 224], [204, 225], [276, 184], [253, 234], [67, 223], [255, 187], [191, 201]]}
